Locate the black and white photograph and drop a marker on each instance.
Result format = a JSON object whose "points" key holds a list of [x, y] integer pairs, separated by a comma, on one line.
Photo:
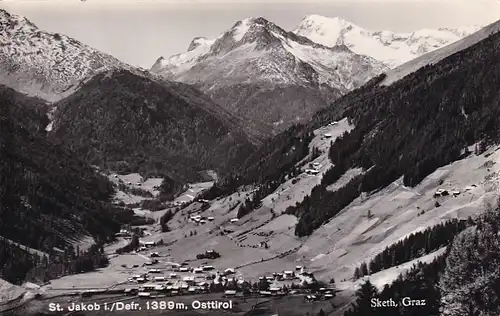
{"points": [[250, 157]]}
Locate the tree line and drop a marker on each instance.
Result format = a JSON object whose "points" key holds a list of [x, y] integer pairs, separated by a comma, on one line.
{"points": [[413, 247], [19, 264]]}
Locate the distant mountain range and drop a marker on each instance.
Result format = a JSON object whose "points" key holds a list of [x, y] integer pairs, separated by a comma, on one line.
{"points": [[268, 77], [390, 48], [273, 77]]}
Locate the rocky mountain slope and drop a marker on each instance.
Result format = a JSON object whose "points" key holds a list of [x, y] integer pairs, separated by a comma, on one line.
{"points": [[129, 123], [259, 71], [390, 48], [44, 64]]}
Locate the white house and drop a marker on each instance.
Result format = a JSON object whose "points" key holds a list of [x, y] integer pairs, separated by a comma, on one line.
{"points": [[229, 293], [312, 171], [149, 286]]}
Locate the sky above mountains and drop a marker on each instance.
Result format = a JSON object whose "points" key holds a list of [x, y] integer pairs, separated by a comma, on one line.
{"points": [[138, 32]]}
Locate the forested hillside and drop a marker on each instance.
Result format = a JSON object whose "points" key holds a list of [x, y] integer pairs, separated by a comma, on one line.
{"points": [[130, 123], [409, 129], [270, 164], [47, 194]]}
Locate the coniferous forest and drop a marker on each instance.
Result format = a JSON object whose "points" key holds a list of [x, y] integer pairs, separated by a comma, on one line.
{"points": [[47, 194], [130, 123]]}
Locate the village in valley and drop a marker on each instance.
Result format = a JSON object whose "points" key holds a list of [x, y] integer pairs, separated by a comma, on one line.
{"points": [[208, 251], [160, 276], [196, 250]]}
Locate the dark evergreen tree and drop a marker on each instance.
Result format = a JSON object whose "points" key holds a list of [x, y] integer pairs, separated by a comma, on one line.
{"points": [[363, 304]]}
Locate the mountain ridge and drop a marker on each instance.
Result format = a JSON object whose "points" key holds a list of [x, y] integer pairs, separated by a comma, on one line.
{"points": [[45, 64], [262, 72]]}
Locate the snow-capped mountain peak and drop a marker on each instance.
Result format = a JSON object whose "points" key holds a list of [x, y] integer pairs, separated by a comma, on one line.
{"points": [[319, 28], [257, 55], [198, 41], [45, 64], [276, 55], [391, 48]]}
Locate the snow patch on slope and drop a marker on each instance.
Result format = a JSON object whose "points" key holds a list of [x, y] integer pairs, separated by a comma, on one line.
{"points": [[9, 292], [241, 29]]}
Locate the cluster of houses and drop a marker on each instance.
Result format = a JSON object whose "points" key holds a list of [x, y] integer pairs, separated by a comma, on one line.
{"points": [[180, 203], [442, 192], [287, 275], [323, 293], [181, 279], [178, 282], [198, 219]]}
